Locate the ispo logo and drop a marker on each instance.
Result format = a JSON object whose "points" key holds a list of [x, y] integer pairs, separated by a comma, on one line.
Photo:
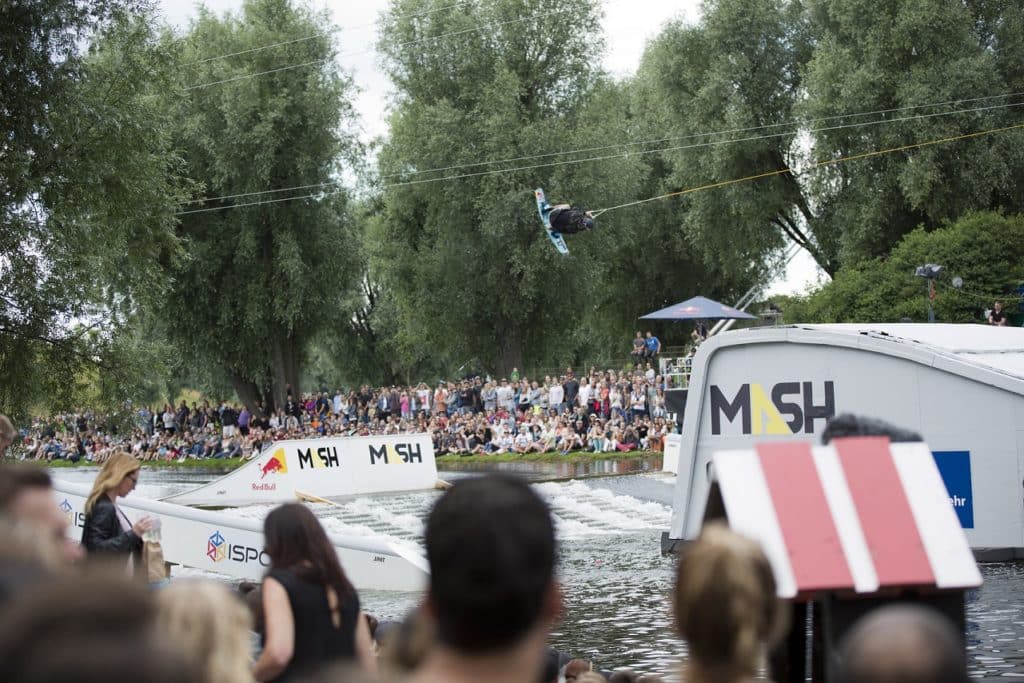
{"points": [[216, 547], [66, 508], [219, 549], [760, 414]]}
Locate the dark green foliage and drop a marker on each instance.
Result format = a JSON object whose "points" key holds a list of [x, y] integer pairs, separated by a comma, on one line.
{"points": [[261, 282], [88, 189], [985, 249]]}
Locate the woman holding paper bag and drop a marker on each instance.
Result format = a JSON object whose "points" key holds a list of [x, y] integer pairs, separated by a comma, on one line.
{"points": [[107, 530]]}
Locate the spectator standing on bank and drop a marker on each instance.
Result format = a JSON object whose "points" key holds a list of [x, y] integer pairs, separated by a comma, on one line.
{"points": [[229, 420], [7, 434], [492, 608], [652, 345], [243, 421], [571, 389], [639, 347], [556, 398], [996, 315], [311, 609]]}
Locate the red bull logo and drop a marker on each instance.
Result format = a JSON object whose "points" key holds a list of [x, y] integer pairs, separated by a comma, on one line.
{"points": [[276, 463]]}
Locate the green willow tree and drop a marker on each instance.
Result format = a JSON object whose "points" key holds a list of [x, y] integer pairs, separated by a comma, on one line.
{"points": [[723, 92], [904, 58], [470, 274], [263, 280], [89, 185]]}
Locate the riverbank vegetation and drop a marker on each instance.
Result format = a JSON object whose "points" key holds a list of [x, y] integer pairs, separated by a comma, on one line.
{"points": [[195, 207]]}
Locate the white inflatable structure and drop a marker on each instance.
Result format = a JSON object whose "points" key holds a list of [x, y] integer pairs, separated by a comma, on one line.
{"points": [[961, 387], [324, 468], [219, 543]]}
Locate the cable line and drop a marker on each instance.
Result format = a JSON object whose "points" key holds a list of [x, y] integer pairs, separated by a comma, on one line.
{"points": [[638, 153], [641, 201], [818, 164]]}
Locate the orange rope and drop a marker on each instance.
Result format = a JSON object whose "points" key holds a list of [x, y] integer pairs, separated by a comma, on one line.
{"points": [[817, 164]]}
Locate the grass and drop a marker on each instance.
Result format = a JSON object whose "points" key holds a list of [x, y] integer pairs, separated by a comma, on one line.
{"points": [[229, 464], [573, 457], [223, 464]]}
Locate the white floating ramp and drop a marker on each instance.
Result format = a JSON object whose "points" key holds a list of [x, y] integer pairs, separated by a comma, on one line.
{"points": [[961, 387], [327, 468], [220, 543]]}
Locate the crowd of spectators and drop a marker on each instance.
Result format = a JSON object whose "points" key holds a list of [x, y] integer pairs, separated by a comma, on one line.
{"points": [[600, 411], [489, 614]]}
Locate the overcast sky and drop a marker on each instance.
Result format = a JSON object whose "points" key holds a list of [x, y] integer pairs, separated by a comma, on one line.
{"points": [[628, 25]]}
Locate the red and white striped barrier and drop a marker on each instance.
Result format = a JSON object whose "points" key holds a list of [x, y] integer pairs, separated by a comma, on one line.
{"points": [[859, 515]]}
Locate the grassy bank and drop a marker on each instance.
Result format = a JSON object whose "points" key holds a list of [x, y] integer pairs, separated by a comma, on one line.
{"points": [[231, 463], [225, 464], [574, 457]]}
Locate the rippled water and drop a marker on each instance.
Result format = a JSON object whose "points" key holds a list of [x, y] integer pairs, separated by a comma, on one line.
{"points": [[615, 581]]}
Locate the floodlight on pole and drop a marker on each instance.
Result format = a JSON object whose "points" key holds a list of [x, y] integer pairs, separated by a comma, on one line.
{"points": [[929, 271]]}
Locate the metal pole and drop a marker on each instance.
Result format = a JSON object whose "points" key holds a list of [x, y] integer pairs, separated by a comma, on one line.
{"points": [[931, 298]]}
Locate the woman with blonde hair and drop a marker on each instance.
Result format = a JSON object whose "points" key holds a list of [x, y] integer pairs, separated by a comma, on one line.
{"points": [[726, 607], [107, 530], [209, 626]]}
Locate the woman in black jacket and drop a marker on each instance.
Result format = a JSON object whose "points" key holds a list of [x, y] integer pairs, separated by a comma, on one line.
{"points": [[107, 529]]}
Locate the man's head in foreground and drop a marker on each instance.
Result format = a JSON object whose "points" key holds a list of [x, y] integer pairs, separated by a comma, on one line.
{"points": [[26, 495], [491, 545], [902, 644]]}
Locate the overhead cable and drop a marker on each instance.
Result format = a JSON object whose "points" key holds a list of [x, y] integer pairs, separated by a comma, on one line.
{"points": [[637, 153], [709, 186]]}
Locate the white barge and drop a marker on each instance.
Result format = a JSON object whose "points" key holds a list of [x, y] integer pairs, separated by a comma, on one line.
{"points": [[960, 386]]}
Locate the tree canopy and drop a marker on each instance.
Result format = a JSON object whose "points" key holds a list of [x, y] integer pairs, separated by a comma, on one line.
{"points": [[194, 207], [89, 184], [262, 277]]}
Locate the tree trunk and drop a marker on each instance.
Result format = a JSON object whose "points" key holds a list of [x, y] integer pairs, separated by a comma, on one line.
{"points": [[510, 348], [248, 392], [292, 363], [278, 376]]}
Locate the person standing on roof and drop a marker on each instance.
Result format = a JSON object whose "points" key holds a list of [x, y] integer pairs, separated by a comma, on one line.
{"points": [[996, 315]]}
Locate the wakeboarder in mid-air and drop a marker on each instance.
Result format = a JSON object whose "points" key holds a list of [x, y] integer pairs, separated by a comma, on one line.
{"points": [[562, 219]]}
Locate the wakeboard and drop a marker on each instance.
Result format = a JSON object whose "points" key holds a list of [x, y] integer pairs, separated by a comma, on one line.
{"points": [[544, 209]]}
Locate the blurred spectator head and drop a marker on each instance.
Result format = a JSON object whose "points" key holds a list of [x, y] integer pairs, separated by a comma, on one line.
{"points": [[93, 629], [404, 645], [490, 542], [576, 668], [725, 604], [26, 495], [209, 626], [902, 644]]}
